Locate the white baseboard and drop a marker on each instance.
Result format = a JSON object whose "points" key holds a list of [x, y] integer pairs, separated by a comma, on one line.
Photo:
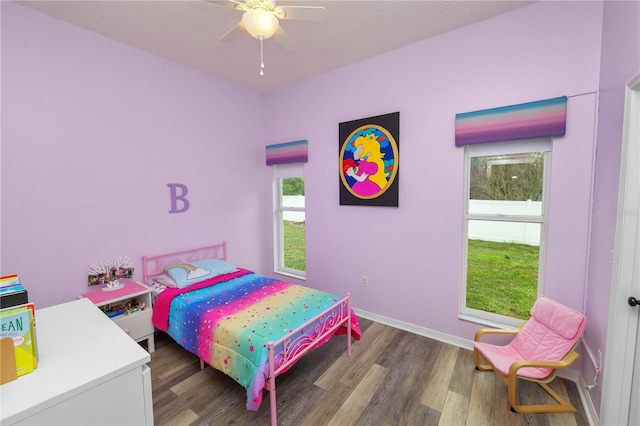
{"points": [[587, 403], [412, 328], [568, 374]]}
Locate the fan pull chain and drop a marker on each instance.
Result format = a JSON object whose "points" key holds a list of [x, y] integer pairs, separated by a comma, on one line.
{"points": [[261, 55]]}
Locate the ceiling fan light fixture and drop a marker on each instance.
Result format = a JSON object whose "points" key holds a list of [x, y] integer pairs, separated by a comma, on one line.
{"points": [[260, 22]]}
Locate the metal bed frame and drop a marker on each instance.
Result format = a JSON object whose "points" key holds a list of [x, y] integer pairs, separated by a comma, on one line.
{"points": [[293, 345]]}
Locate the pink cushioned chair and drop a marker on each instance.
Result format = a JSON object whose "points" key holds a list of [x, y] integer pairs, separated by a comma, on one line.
{"points": [[542, 345]]}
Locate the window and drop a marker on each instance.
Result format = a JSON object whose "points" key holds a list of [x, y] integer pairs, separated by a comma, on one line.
{"points": [[504, 229], [290, 241]]}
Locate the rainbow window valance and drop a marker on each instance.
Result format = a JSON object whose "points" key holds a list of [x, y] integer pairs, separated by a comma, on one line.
{"points": [[288, 152], [522, 121]]}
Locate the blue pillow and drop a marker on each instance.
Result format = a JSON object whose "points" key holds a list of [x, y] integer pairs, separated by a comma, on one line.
{"points": [[186, 274]]}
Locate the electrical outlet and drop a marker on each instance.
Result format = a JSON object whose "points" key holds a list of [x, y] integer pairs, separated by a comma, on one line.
{"points": [[365, 281]]}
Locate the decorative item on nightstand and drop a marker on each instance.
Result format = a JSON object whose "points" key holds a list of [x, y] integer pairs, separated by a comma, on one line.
{"points": [[109, 273], [129, 306]]}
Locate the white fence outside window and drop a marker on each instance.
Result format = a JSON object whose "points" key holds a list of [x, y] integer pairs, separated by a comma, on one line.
{"points": [[293, 201], [512, 232]]}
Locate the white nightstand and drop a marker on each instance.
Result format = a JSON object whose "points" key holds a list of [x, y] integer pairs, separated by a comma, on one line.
{"points": [[130, 308]]}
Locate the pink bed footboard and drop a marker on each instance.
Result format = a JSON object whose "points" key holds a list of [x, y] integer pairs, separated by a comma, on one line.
{"points": [[294, 345]]}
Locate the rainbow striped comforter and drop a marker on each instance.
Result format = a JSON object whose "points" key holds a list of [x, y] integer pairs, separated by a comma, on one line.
{"points": [[228, 320]]}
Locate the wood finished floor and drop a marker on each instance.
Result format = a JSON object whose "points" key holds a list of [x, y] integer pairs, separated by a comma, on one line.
{"points": [[393, 378]]}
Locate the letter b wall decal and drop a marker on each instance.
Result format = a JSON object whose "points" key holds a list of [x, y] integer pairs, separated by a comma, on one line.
{"points": [[178, 192]]}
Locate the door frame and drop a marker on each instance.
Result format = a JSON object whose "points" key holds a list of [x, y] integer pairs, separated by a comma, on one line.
{"points": [[622, 333]]}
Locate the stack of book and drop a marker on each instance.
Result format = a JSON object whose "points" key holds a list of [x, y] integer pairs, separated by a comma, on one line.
{"points": [[18, 349], [12, 293]]}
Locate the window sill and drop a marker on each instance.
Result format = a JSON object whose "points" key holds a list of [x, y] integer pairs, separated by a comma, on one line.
{"points": [[506, 323], [297, 276]]}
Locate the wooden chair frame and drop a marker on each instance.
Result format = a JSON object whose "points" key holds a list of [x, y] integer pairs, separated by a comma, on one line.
{"points": [[511, 379]]}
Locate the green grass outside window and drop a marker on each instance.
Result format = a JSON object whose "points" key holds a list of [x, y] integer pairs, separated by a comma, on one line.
{"points": [[294, 245], [502, 278]]}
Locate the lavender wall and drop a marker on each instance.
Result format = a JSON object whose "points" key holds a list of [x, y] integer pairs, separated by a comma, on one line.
{"points": [[92, 132], [620, 62], [413, 254]]}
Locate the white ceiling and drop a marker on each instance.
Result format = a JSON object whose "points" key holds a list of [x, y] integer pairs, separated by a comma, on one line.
{"points": [[189, 31]]}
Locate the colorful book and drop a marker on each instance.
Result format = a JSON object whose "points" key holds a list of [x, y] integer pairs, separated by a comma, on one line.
{"points": [[18, 323], [32, 308], [11, 288], [9, 280]]}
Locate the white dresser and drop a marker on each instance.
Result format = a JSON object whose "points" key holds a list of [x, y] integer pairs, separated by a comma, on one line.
{"points": [[90, 372]]}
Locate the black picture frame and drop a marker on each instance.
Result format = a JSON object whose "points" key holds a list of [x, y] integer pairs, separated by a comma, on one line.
{"points": [[369, 161]]}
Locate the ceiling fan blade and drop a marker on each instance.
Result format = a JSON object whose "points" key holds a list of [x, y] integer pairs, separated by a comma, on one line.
{"points": [[234, 4], [283, 39], [234, 32], [302, 13]]}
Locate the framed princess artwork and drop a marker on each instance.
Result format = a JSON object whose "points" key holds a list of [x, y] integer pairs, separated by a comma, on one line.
{"points": [[368, 161]]}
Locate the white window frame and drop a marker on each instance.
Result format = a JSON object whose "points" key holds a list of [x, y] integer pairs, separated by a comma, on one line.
{"points": [[290, 170], [497, 148]]}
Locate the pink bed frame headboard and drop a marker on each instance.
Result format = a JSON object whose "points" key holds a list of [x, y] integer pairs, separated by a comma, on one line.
{"points": [[154, 265]]}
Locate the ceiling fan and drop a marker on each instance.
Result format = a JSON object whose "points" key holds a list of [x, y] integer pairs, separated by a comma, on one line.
{"points": [[260, 19]]}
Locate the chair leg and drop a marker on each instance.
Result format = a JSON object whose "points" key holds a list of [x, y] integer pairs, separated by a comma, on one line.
{"points": [[562, 406], [512, 383], [479, 366]]}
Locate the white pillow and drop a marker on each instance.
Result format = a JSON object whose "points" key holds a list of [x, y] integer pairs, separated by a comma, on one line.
{"points": [[165, 280]]}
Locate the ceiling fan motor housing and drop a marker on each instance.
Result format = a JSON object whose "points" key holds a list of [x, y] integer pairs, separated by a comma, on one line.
{"points": [[264, 4]]}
